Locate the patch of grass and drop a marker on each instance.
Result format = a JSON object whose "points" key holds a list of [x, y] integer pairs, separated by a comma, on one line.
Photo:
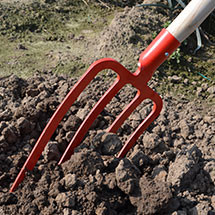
{"points": [[40, 36], [188, 70], [39, 55], [20, 21], [176, 56]]}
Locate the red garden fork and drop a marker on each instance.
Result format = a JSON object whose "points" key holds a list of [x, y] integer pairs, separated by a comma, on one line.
{"points": [[158, 51]]}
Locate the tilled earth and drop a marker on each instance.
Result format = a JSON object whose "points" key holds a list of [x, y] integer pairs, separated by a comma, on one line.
{"points": [[169, 171]]}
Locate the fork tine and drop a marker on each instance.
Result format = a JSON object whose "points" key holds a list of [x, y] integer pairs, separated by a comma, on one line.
{"points": [[84, 127], [158, 103], [49, 130], [126, 113]]}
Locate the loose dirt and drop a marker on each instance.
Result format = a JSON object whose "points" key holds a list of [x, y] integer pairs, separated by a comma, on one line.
{"points": [[169, 171]]}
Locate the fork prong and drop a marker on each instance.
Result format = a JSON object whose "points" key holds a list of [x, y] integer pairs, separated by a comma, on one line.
{"points": [[18, 180], [125, 113], [52, 125], [158, 103], [86, 124]]}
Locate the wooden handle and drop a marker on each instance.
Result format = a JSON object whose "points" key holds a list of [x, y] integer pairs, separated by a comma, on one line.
{"points": [[190, 18]]}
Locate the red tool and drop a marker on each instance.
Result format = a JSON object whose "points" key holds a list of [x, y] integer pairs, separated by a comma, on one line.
{"points": [[157, 52]]}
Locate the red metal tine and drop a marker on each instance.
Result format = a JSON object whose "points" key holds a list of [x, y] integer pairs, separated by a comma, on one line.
{"points": [[157, 107], [126, 112]]}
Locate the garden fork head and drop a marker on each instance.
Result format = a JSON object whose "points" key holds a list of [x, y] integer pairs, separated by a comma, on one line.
{"points": [[157, 52]]}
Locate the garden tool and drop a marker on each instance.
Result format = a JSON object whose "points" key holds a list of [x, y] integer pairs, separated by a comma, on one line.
{"points": [[157, 52]]}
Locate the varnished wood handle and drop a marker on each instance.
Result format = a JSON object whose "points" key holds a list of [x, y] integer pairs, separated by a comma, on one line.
{"points": [[190, 18]]}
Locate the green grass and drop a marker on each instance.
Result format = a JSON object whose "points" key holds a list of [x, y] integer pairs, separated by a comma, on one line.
{"points": [[39, 55], [47, 31]]}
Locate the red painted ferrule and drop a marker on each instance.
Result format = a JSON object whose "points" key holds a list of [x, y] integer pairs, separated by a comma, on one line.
{"points": [[156, 53]]}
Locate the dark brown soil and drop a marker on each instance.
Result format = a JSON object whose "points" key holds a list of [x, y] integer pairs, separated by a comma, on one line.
{"points": [[171, 169]]}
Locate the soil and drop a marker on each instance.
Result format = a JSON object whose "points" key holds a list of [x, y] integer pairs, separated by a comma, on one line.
{"points": [[171, 168]]}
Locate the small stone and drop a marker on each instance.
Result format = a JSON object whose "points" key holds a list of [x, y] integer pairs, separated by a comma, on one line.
{"points": [[91, 179], [2, 211], [110, 180], [72, 123], [23, 125], [61, 197], [136, 116], [211, 90], [185, 128], [51, 151], [70, 180], [75, 212], [178, 143], [151, 141], [107, 143], [174, 79], [199, 91], [65, 200], [9, 134], [92, 196], [135, 119], [185, 167], [82, 113], [186, 81], [126, 176], [99, 177], [159, 173], [138, 157], [102, 209]]}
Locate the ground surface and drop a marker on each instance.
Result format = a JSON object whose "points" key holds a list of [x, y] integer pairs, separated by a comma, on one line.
{"points": [[171, 169]]}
